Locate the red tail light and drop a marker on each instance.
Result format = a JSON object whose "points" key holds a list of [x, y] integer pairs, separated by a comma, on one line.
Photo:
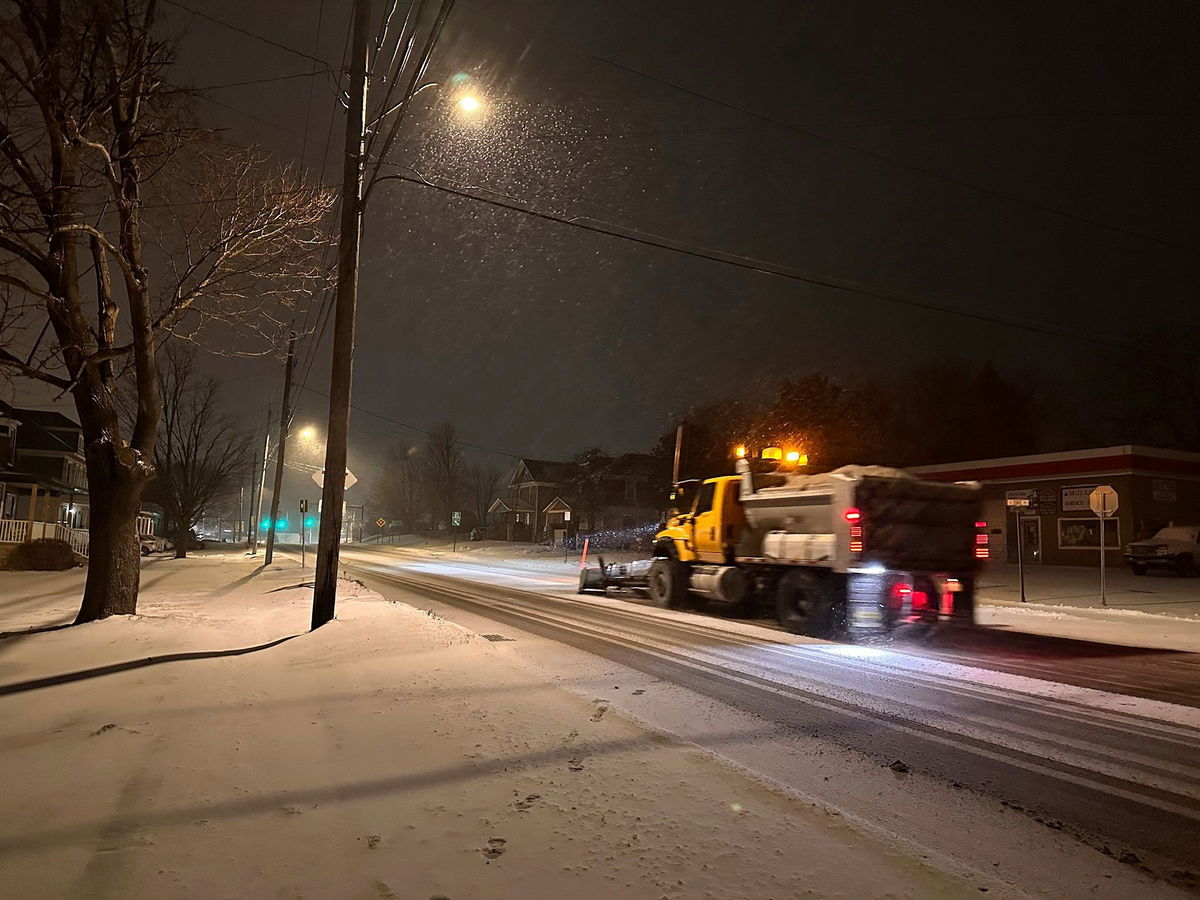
{"points": [[854, 517], [856, 542], [920, 600], [981, 541]]}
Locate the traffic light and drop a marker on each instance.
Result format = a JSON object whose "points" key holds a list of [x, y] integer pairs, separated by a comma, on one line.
{"points": [[265, 524], [281, 525], [310, 522]]}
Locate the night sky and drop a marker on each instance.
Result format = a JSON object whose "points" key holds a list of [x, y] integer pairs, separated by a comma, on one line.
{"points": [[1035, 161]]}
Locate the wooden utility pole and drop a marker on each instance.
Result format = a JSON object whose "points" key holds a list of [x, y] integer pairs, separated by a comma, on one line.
{"points": [[281, 447], [334, 489], [256, 505]]}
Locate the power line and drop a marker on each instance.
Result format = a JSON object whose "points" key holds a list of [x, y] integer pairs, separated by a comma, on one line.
{"points": [[950, 179], [258, 37], [764, 267], [185, 89]]}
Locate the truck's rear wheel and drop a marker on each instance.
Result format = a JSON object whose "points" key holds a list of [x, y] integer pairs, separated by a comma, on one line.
{"points": [[806, 604], [668, 584]]}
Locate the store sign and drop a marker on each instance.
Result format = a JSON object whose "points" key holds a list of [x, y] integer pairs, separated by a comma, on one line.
{"points": [[1023, 503], [1164, 490], [1076, 498]]}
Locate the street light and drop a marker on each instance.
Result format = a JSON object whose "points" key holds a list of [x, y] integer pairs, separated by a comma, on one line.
{"points": [[468, 103]]}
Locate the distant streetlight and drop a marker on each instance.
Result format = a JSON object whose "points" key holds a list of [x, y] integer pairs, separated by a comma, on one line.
{"points": [[308, 433], [468, 103]]}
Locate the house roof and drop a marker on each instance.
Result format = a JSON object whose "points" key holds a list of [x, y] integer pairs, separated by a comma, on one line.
{"points": [[544, 470], [502, 505], [46, 418], [558, 504], [634, 464], [41, 429]]}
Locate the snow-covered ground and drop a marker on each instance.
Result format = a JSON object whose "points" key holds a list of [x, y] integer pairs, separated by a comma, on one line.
{"points": [[211, 747], [1160, 611]]}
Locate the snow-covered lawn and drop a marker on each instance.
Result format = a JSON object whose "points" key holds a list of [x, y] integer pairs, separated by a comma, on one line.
{"points": [[211, 747]]}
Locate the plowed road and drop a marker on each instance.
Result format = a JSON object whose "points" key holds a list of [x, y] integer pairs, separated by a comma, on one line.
{"points": [[1119, 769]]}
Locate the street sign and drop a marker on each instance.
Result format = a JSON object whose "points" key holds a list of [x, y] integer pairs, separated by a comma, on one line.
{"points": [[319, 478], [456, 518], [1103, 501], [381, 521]]}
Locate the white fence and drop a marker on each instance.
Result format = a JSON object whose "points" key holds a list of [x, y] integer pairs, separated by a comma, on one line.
{"points": [[13, 531], [76, 537]]}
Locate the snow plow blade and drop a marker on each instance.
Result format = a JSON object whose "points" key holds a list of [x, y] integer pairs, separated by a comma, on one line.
{"points": [[631, 576]]}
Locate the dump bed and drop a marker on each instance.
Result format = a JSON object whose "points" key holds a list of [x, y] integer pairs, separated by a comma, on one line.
{"points": [[906, 524], [919, 526]]}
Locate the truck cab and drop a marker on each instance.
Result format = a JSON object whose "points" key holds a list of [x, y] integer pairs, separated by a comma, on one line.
{"points": [[710, 530]]}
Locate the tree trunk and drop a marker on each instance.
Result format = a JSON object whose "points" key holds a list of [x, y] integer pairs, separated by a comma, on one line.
{"points": [[114, 555], [182, 538]]}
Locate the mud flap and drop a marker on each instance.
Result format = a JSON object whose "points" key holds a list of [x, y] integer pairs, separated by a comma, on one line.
{"points": [[865, 612]]}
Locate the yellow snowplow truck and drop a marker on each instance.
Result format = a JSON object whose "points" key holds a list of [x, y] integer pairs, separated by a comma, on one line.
{"points": [[859, 550]]}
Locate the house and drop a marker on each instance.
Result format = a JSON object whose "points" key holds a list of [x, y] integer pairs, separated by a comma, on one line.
{"points": [[1154, 488], [518, 514], [551, 501], [43, 479]]}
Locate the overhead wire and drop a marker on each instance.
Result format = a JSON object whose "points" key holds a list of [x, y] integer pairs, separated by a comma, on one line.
{"points": [[765, 267], [217, 20]]}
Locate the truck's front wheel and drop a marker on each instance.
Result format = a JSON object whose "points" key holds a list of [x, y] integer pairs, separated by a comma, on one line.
{"points": [[805, 604], [668, 584]]}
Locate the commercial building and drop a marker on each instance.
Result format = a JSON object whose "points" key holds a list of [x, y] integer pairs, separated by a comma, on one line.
{"points": [[1155, 488]]}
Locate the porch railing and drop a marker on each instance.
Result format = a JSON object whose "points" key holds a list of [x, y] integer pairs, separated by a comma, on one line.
{"points": [[76, 537], [14, 531]]}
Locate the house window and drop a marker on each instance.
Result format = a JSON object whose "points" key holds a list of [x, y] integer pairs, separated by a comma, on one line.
{"points": [[567, 516]]}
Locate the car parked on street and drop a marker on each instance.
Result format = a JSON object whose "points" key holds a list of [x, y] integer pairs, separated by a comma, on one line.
{"points": [[151, 544], [1174, 547]]}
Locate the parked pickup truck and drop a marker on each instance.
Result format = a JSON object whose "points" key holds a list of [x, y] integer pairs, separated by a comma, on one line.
{"points": [[1174, 547]]}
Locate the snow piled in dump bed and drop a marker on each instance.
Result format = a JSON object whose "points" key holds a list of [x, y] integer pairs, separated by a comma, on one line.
{"points": [[210, 746]]}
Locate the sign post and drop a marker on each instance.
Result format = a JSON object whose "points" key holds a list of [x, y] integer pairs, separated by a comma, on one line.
{"points": [[1016, 504], [1103, 501], [303, 515]]}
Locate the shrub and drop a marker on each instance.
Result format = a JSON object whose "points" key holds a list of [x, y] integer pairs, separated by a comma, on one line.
{"points": [[42, 555]]}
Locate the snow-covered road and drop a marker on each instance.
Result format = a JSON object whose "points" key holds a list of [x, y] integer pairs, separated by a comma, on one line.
{"points": [[1117, 770]]}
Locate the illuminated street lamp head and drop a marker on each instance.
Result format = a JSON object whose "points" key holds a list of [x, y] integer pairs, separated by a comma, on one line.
{"points": [[468, 103], [740, 451], [307, 433]]}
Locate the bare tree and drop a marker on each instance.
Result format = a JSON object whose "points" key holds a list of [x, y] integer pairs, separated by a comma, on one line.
{"points": [[401, 492], [444, 471], [483, 482], [91, 158], [200, 453]]}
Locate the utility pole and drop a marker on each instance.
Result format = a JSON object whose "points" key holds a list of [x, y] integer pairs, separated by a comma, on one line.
{"points": [[283, 425], [333, 490], [262, 483]]}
